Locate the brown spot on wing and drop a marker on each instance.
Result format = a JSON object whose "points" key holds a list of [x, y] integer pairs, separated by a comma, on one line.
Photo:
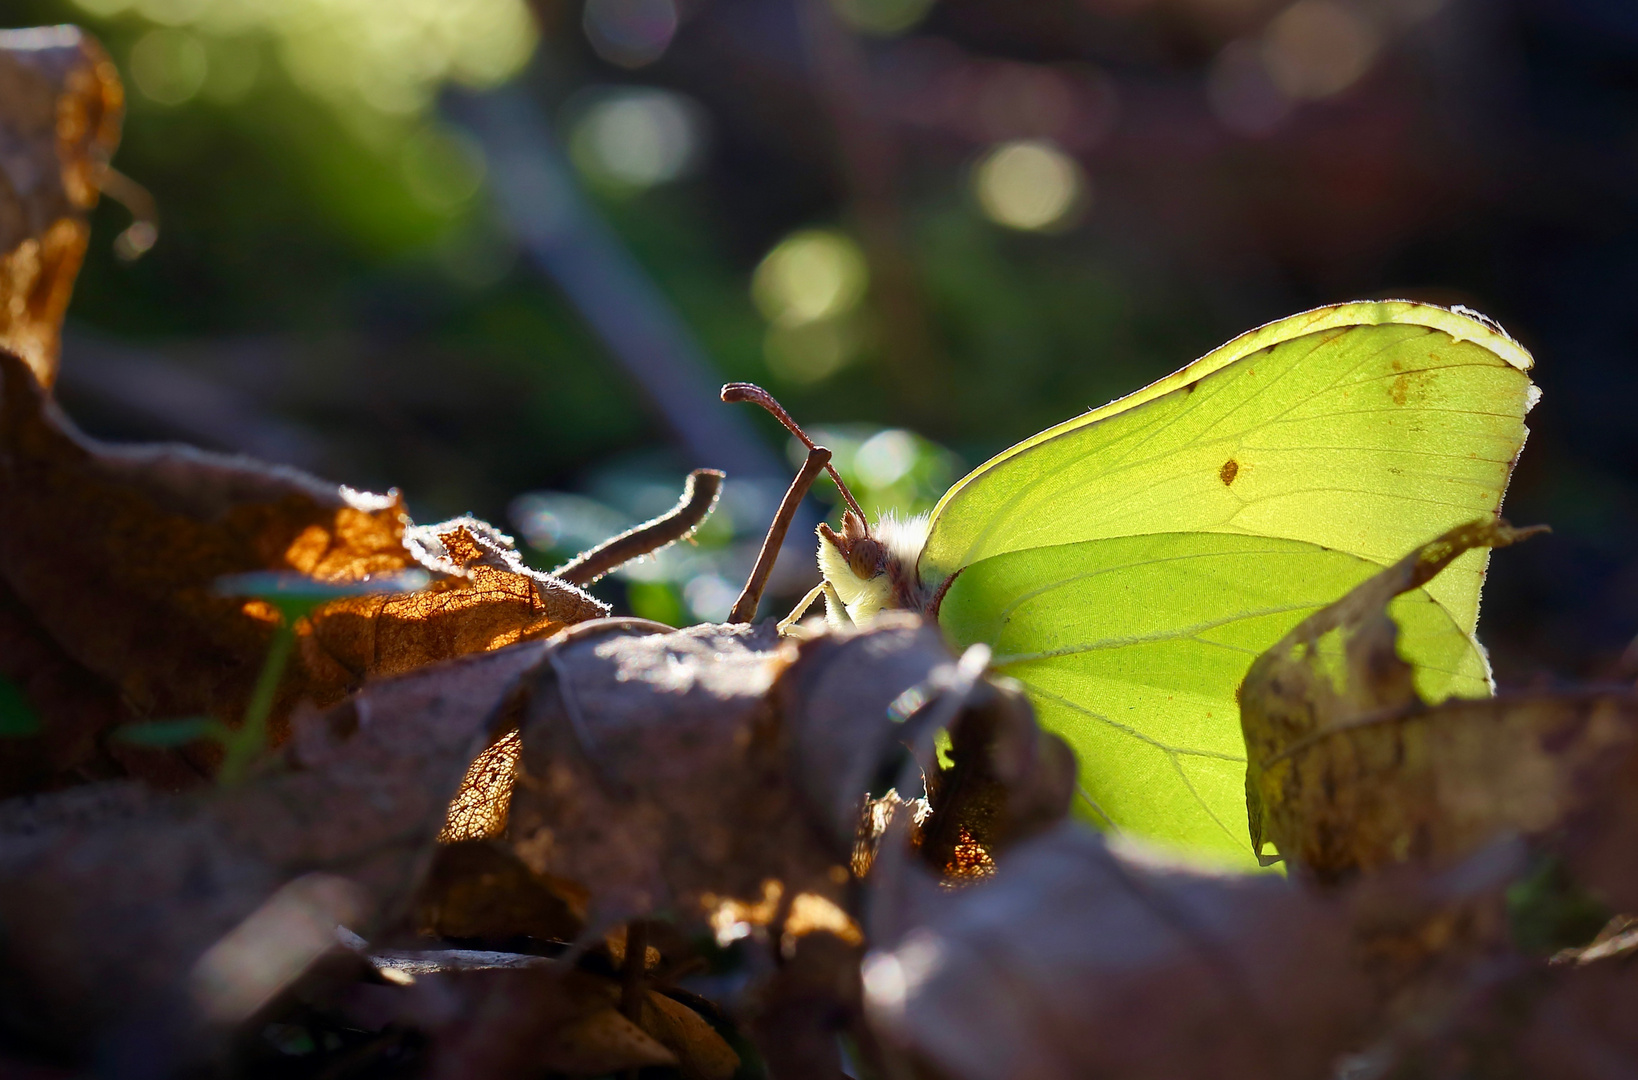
{"points": [[1229, 471], [1411, 387]]}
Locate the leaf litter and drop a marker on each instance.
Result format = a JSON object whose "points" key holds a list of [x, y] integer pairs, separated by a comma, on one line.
{"points": [[496, 833]]}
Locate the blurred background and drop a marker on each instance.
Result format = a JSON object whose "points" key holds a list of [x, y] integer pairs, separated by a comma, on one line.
{"points": [[501, 253]]}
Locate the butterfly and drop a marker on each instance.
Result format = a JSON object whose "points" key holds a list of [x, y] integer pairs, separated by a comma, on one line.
{"points": [[1127, 565]]}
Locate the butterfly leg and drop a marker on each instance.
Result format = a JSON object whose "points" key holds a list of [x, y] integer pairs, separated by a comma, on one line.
{"points": [[833, 605], [835, 610], [801, 608]]}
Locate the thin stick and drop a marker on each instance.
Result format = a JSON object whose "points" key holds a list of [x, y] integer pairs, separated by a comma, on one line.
{"points": [[745, 607], [143, 231], [698, 497], [744, 391], [633, 970]]}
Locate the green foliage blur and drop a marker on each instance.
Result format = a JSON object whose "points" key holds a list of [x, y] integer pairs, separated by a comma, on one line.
{"points": [[959, 220]]}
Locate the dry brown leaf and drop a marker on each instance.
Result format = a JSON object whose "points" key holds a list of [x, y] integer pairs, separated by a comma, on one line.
{"points": [[479, 810], [1077, 959], [702, 1054], [1349, 769], [643, 758], [490, 599], [1524, 1021], [840, 697], [114, 902], [604, 1042], [113, 553], [503, 1022], [479, 891], [70, 748], [61, 105], [1601, 845], [718, 774]]}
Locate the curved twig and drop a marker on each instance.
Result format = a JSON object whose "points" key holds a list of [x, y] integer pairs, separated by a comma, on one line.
{"points": [[698, 497], [143, 231]]}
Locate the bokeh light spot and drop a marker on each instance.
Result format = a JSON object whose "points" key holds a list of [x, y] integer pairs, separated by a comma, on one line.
{"points": [[656, 600], [810, 275], [1317, 48], [630, 33], [387, 57], [710, 597], [168, 66], [103, 8], [443, 168], [885, 457], [1242, 94], [1030, 184], [882, 18], [235, 64], [636, 139], [812, 351], [172, 12]]}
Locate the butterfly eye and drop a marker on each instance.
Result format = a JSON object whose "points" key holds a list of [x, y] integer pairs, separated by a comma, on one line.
{"points": [[866, 557]]}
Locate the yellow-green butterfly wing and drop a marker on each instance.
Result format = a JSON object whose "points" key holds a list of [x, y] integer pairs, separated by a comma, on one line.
{"points": [[1128, 564]]}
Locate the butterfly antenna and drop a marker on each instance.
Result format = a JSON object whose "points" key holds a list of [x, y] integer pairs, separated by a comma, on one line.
{"points": [[744, 609], [744, 391]]}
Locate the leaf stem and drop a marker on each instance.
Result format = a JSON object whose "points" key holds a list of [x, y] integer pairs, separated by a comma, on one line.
{"points": [[250, 740]]}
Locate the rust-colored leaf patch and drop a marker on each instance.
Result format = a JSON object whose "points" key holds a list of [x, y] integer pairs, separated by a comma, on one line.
{"points": [[61, 104]]}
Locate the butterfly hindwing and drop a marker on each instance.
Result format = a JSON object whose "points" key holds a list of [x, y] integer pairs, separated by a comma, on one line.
{"points": [[1128, 565], [1132, 648]]}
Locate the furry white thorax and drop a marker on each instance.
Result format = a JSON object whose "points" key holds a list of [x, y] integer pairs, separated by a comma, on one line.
{"points": [[864, 598]]}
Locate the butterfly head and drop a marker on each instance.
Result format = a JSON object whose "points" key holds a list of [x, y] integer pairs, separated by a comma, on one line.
{"points": [[865, 556], [868, 570], [873, 569]]}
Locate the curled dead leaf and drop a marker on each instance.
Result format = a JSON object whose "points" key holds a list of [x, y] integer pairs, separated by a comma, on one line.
{"points": [[702, 1054], [1350, 769], [643, 756], [489, 598], [498, 1022], [112, 555], [61, 105], [478, 891]]}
